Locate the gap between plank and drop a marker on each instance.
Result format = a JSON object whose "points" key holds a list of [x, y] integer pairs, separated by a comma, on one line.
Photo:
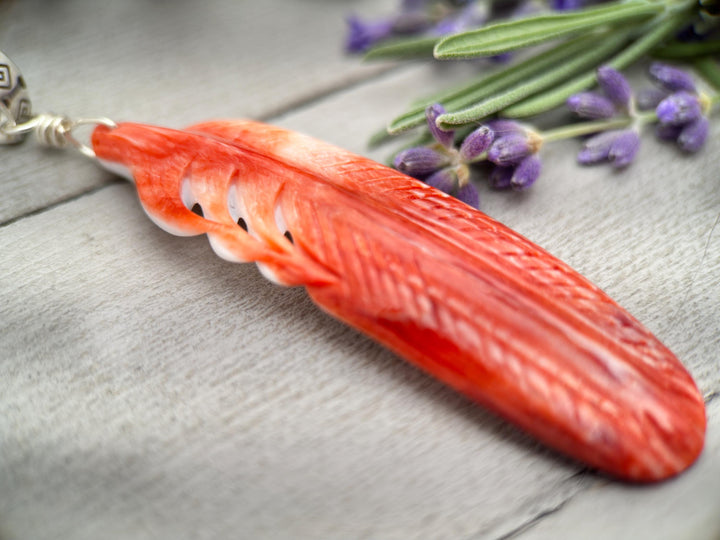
{"points": [[113, 181], [584, 482], [305, 102]]}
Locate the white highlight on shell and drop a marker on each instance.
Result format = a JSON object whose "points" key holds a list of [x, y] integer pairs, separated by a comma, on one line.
{"points": [[186, 193], [268, 274], [236, 207], [167, 227], [232, 203], [280, 219], [222, 251]]}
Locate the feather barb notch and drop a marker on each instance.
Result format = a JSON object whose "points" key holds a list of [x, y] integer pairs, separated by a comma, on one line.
{"points": [[445, 286]]}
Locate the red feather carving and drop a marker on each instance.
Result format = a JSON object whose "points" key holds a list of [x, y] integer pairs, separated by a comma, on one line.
{"points": [[445, 286]]}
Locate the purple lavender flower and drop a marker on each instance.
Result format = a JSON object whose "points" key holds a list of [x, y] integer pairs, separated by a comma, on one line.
{"points": [[364, 34], [591, 105], [446, 167], [413, 17], [468, 194], [466, 18], [649, 98], [420, 161], [615, 86], [671, 78], [514, 152], [443, 166], [616, 93], [566, 5], [476, 144], [596, 148], [501, 127], [693, 135], [510, 150], [501, 177], [445, 180], [446, 138], [619, 147], [666, 132], [624, 148], [525, 174], [679, 108]]}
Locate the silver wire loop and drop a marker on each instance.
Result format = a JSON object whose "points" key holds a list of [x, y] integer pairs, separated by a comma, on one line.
{"points": [[56, 131]]}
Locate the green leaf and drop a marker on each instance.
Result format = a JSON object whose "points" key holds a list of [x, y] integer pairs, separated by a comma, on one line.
{"points": [[545, 101], [403, 48], [485, 86], [678, 51], [558, 73], [507, 36]]}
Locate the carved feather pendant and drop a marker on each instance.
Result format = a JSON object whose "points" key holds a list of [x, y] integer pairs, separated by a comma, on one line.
{"points": [[445, 286]]}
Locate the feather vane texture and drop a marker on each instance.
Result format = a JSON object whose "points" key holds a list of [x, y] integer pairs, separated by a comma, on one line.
{"points": [[445, 286]]}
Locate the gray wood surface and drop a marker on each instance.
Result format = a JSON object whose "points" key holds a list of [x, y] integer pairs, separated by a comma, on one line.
{"points": [[149, 389]]}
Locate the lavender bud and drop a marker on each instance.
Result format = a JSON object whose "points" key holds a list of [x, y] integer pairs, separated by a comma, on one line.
{"points": [[420, 161], [526, 172], [446, 138], [679, 108], [566, 5], [672, 78], [596, 148], [693, 136], [615, 85], [649, 98], [509, 150], [468, 194], [591, 105], [502, 127], [465, 19], [502, 58], [501, 177], [624, 148], [444, 180], [476, 143], [362, 35], [666, 132]]}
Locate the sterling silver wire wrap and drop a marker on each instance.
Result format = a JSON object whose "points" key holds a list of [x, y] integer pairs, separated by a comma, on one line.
{"points": [[56, 131]]}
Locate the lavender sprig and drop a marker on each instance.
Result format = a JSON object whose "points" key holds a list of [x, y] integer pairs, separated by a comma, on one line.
{"points": [[441, 164], [509, 147], [583, 69], [512, 149]]}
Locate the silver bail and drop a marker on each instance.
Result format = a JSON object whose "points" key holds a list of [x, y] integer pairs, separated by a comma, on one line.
{"points": [[15, 105]]}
